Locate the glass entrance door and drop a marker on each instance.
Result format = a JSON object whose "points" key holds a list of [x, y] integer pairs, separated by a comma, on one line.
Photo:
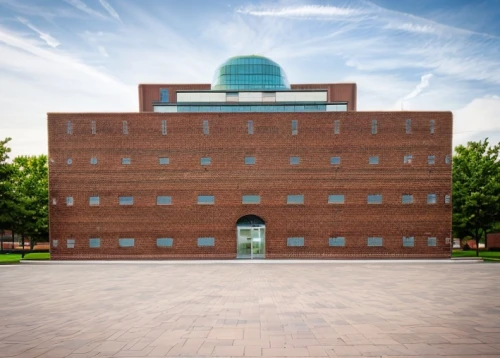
{"points": [[251, 242]]}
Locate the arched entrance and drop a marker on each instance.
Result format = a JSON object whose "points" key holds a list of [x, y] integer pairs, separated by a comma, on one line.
{"points": [[250, 237]]}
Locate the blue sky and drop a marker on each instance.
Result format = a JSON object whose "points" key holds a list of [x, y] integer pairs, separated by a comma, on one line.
{"points": [[89, 55]]}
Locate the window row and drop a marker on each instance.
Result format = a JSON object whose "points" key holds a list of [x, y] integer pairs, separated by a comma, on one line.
{"points": [[294, 160], [407, 241], [250, 127], [255, 199]]}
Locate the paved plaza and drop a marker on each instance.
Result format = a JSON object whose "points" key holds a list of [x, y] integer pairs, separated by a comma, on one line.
{"points": [[251, 310]]}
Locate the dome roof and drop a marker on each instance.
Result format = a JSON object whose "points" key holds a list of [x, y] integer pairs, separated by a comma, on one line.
{"points": [[250, 73]]}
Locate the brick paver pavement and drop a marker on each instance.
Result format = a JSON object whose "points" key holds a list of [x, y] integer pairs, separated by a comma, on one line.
{"points": [[249, 310]]}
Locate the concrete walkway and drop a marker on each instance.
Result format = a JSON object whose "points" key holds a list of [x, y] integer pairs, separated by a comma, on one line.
{"points": [[290, 309]]}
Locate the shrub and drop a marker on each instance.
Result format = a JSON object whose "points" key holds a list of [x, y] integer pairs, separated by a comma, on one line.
{"points": [[466, 247]]}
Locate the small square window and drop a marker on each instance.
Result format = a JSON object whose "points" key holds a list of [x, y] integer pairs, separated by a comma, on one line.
{"points": [[126, 200], [249, 160], [126, 161], [126, 242], [295, 241], [94, 201], [295, 129], [93, 160], [336, 241], [125, 127], [431, 126], [431, 241], [375, 241], [408, 159], [69, 201], [164, 160], [295, 199], [408, 126], [374, 199], [206, 129], [69, 161], [250, 127], [373, 159], [54, 201], [163, 200], [374, 126], [336, 199], [336, 126], [431, 198], [164, 242], [206, 241], [206, 199], [93, 127], [407, 199], [250, 199], [70, 243], [335, 160], [431, 159], [94, 243], [447, 159], [408, 241], [206, 161], [294, 160], [164, 127], [447, 199]]}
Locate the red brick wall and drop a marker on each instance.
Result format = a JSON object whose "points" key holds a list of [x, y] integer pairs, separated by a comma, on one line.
{"points": [[494, 241], [228, 179]]}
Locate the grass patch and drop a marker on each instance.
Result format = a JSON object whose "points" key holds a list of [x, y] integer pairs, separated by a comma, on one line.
{"points": [[486, 255], [15, 258]]}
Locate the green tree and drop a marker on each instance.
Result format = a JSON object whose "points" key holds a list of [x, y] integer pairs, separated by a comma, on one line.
{"points": [[7, 202], [476, 189]]}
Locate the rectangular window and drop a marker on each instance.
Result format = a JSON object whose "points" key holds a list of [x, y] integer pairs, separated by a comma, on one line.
{"points": [[125, 127], [408, 241], [164, 160], [69, 201], [126, 242], [295, 241], [407, 199], [69, 128], [70, 243], [249, 160], [295, 199], [431, 159], [295, 129], [294, 160], [447, 159], [164, 95], [374, 126], [431, 241], [250, 127], [373, 159], [164, 242], [126, 200], [55, 243], [94, 243], [250, 199], [375, 241], [126, 161], [206, 130], [206, 199], [408, 126], [335, 160], [336, 241], [447, 199], [163, 200], [164, 127], [374, 199], [93, 127], [336, 199], [206, 161], [431, 198], [94, 201], [206, 241], [93, 160], [69, 161], [408, 159], [431, 126], [336, 126]]}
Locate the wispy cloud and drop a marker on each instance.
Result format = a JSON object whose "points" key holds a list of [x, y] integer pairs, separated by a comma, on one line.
{"points": [[80, 5], [43, 35], [110, 9], [424, 82], [103, 51], [302, 11]]}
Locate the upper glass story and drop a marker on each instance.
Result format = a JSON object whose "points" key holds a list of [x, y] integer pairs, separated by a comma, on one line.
{"points": [[250, 73]]}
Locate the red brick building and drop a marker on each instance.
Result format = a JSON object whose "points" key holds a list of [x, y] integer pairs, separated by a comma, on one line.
{"points": [[249, 167]]}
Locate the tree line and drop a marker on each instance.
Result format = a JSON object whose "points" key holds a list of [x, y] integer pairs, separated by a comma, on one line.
{"points": [[24, 195], [476, 192]]}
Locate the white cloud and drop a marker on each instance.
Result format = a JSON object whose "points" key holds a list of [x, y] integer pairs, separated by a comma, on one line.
{"points": [[80, 5], [43, 35], [424, 82], [302, 11], [110, 9], [103, 51]]}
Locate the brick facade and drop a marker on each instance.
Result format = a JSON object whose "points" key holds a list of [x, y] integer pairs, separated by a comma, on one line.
{"points": [[228, 178]]}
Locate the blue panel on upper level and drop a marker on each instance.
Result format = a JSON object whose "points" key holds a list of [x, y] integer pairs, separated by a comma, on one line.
{"points": [[249, 73]]}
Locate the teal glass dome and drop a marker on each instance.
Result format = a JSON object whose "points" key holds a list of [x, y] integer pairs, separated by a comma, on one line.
{"points": [[250, 73]]}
